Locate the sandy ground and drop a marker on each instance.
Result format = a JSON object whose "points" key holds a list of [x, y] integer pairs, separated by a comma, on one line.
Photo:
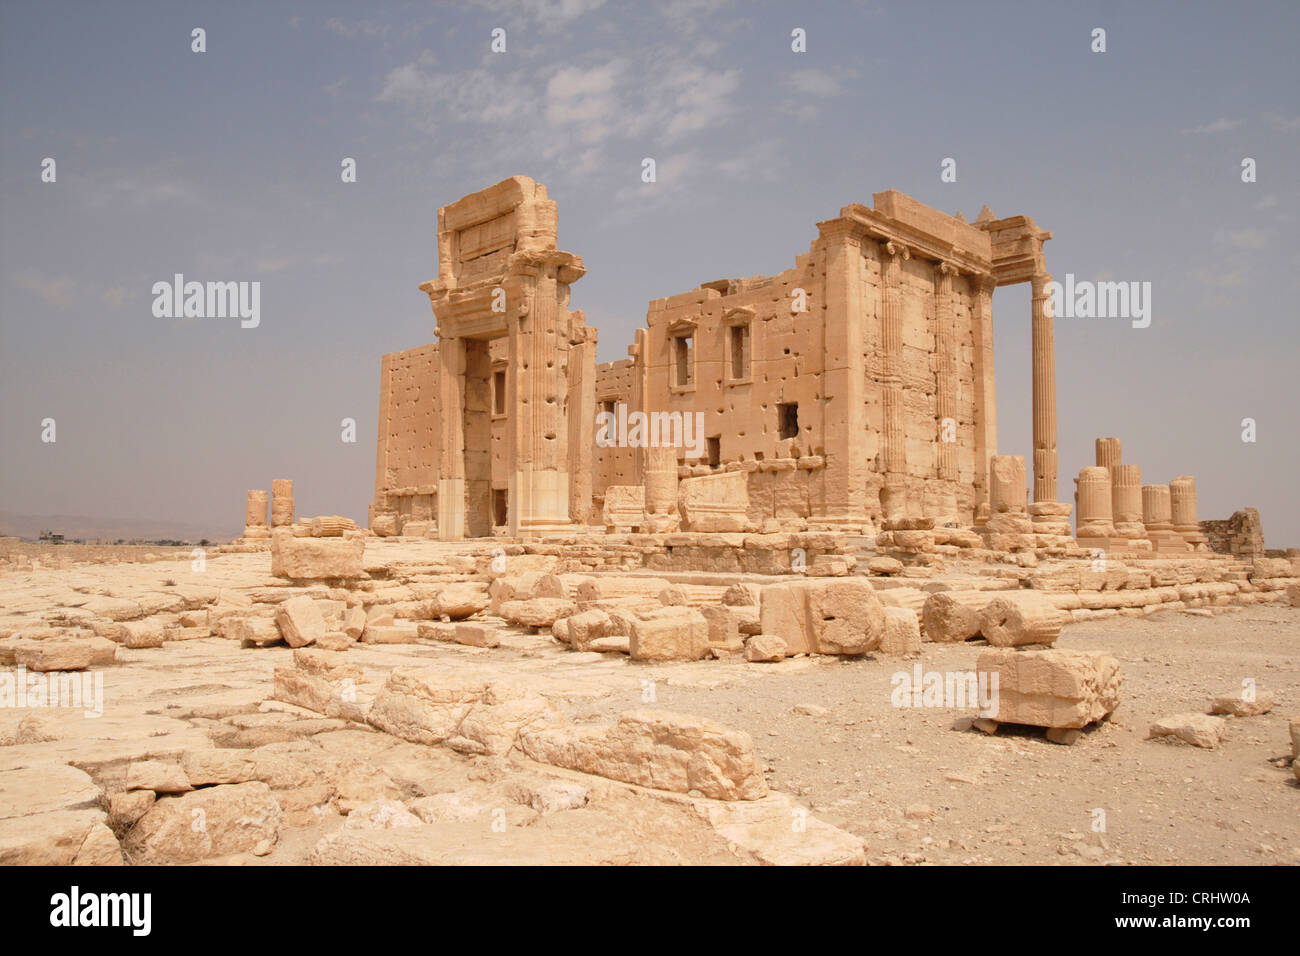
{"points": [[915, 789]]}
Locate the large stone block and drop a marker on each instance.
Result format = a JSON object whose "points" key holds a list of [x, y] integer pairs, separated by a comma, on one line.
{"points": [[1021, 617], [300, 621], [205, 823], [715, 503], [624, 506], [657, 749], [1051, 688], [423, 705], [823, 616], [668, 634], [316, 558]]}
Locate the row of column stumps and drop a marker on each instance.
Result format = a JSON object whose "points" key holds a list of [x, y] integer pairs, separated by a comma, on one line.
{"points": [[281, 501], [1116, 509]]}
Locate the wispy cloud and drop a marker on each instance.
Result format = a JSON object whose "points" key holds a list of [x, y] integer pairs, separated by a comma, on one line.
{"points": [[355, 28], [1285, 124], [1221, 125], [1249, 238], [58, 291]]}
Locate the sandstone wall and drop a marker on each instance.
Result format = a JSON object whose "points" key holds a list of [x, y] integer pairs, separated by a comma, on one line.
{"points": [[406, 468]]}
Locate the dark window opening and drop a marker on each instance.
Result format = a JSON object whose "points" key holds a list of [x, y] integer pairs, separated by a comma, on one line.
{"points": [[499, 514], [683, 347], [787, 420], [499, 392], [714, 446], [740, 351]]}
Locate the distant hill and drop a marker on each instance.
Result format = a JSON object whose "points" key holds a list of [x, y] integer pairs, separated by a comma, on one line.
{"points": [[83, 526]]}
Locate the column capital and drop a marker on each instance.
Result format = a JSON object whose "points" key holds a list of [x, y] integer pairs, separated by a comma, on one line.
{"points": [[946, 268], [842, 230], [893, 248]]}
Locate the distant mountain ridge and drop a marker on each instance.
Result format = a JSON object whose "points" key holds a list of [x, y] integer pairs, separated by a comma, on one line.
{"points": [[84, 526]]}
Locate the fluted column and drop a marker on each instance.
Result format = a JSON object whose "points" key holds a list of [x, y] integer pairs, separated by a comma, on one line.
{"points": [[1109, 454], [660, 471], [255, 515], [1182, 491], [1095, 510], [281, 502], [1044, 372], [844, 428], [1007, 484], [945, 399], [539, 352], [451, 454], [894, 455], [1126, 501], [986, 415], [1157, 513]]}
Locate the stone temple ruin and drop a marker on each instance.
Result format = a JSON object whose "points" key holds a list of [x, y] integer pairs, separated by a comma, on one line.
{"points": [[801, 466], [853, 393]]}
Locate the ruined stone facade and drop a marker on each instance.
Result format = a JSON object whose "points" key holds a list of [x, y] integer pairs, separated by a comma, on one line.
{"points": [[483, 429], [854, 388]]}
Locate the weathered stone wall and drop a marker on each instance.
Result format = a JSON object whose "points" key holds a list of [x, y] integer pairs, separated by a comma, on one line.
{"points": [[615, 385], [854, 387], [1242, 535], [406, 467]]}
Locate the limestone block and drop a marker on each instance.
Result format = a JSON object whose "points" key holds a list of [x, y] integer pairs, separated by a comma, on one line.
{"points": [[715, 503], [1199, 730], [724, 628], [77, 837], [459, 601], [1237, 706], [127, 807], [203, 768], [236, 818], [53, 655], [673, 596], [300, 621], [948, 619], [139, 634], [902, 632], [506, 710], [390, 634], [1051, 688], [354, 622], [316, 558], [821, 616], [160, 776], [657, 749], [762, 648], [537, 612], [1016, 618], [384, 525], [668, 634], [587, 626], [624, 505], [423, 705], [477, 635], [252, 631], [331, 526]]}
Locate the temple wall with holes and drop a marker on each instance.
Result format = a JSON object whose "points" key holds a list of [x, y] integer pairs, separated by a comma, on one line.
{"points": [[854, 389]]}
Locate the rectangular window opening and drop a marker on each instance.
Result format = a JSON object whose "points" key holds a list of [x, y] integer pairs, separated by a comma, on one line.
{"points": [[787, 419]]}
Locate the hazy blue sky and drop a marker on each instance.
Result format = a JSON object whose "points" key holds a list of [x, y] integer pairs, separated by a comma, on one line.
{"points": [[225, 165]]}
